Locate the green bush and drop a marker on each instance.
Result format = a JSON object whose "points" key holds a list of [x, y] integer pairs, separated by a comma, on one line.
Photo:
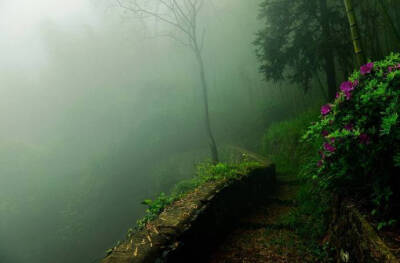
{"points": [[281, 143], [360, 137]]}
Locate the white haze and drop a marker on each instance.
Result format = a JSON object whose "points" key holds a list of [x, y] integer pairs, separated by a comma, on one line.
{"points": [[97, 113]]}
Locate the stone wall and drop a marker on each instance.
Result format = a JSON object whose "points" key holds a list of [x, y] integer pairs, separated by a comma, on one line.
{"points": [[354, 238], [190, 228]]}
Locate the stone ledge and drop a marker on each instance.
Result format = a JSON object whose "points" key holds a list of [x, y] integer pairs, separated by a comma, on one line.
{"points": [[354, 239], [190, 228]]}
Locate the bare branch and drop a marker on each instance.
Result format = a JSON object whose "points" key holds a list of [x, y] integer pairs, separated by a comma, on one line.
{"points": [[202, 39], [183, 14], [137, 9], [180, 14], [188, 44]]}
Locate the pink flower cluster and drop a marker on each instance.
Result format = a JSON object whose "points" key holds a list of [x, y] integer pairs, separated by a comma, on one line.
{"points": [[367, 68], [347, 87], [326, 109], [349, 127], [392, 68]]}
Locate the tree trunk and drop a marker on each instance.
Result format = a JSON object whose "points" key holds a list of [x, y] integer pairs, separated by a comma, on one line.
{"points": [[355, 34], [321, 86], [328, 51], [211, 143], [389, 21]]}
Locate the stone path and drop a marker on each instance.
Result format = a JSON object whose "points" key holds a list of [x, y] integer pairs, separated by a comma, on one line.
{"points": [[261, 237]]}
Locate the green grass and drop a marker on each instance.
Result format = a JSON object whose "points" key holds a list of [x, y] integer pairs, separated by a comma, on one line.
{"points": [[205, 172], [281, 143]]}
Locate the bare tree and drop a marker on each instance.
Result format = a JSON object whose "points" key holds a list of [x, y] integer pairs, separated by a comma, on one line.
{"points": [[183, 16]]}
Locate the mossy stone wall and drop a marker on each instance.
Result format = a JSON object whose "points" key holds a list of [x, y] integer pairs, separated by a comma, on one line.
{"points": [[354, 238], [190, 228]]}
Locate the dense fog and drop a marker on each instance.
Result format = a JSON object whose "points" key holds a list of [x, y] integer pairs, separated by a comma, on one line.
{"points": [[100, 110]]}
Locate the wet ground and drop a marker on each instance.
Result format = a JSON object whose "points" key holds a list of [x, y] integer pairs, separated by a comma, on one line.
{"points": [[261, 237]]}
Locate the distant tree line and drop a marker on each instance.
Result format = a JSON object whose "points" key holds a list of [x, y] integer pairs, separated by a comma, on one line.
{"points": [[306, 40]]}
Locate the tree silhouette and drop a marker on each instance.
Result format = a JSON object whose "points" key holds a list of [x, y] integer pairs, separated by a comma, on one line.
{"points": [[183, 16]]}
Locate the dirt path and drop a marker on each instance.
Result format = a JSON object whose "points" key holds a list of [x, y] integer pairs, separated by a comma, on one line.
{"points": [[261, 237]]}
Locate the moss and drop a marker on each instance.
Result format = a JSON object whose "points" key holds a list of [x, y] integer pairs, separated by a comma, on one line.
{"points": [[206, 172], [350, 233], [200, 218]]}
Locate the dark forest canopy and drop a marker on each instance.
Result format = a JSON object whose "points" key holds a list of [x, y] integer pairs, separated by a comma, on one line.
{"points": [[304, 40]]}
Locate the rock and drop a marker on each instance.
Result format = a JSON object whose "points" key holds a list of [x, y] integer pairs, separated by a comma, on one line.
{"points": [[354, 239]]}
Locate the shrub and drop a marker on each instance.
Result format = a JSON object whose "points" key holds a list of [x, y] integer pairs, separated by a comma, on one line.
{"points": [[281, 143], [359, 136]]}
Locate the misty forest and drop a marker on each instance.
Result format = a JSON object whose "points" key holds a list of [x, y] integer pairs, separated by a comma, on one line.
{"points": [[213, 131]]}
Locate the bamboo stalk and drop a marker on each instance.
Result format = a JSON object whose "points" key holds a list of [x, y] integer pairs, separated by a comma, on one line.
{"points": [[355, 34]]}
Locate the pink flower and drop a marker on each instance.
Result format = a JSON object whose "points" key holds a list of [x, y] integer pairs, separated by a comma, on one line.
{"points": [[347, 87], [326, 109], [325, 133], [392, 68], [329, 147], [367, 68], [355, 83], [364, 138], [320, 163], [349, 126]]}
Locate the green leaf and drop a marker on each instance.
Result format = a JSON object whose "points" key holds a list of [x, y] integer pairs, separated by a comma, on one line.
{"points": [[147, 202]]}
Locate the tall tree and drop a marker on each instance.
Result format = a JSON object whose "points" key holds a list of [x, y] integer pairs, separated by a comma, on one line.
{"points": [[378, 26], [302, 38], [182, 15], [329, 59], [389, 20]]}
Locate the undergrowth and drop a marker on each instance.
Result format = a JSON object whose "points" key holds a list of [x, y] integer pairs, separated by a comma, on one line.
{"points": [[351, 151], [205, 172], [283, 146], [281, 143]]}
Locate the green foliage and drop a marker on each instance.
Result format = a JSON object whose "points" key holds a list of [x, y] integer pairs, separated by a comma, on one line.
{"points": [[301, 37], [297, 39], [205, 172], [281, 143], [309, 219], [396, 160], [360, 135], [155, 207]]}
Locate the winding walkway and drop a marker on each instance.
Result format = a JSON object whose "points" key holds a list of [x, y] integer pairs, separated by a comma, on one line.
{"points": [[261, 237]]}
